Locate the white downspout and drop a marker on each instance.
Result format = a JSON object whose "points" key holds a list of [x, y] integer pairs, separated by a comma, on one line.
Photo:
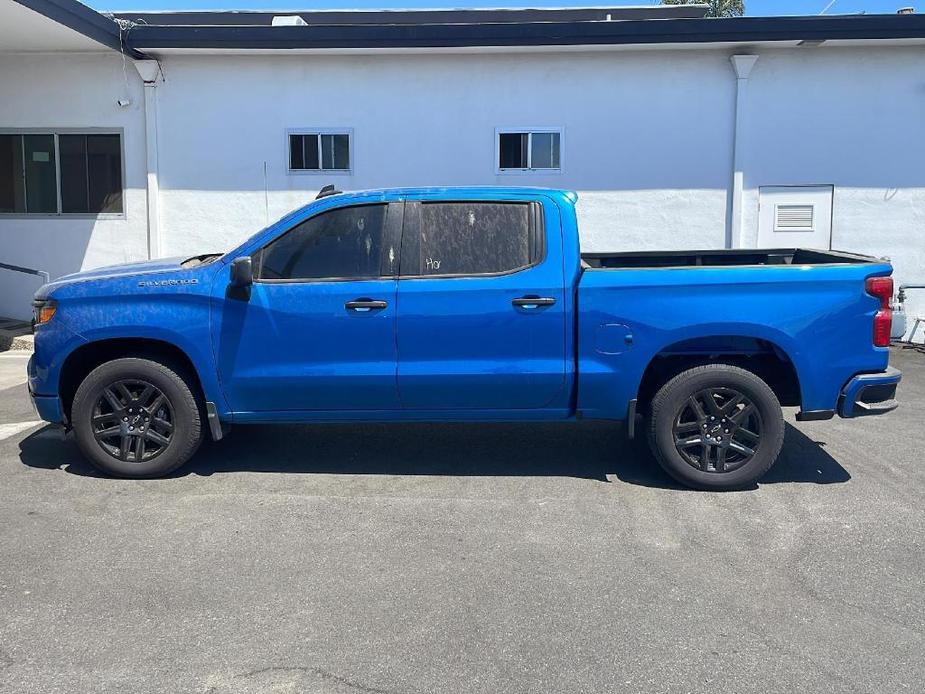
{"points": [[742, 64], [150, 71]]}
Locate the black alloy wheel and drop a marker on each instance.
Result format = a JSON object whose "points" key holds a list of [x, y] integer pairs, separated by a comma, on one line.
{"points": [[716, 426], [717, 430], [133, 421]]}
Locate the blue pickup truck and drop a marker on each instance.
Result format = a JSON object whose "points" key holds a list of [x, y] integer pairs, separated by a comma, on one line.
{"points": [[462, 304]]}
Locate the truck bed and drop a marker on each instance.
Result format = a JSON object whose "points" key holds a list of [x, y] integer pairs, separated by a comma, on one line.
{"points": [[714, 258]]}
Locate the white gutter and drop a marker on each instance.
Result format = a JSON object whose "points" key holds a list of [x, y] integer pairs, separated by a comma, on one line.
{"points": [[742, 64], [150, 71]]}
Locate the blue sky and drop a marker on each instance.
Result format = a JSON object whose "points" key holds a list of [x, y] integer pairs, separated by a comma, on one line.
{"points": [[753, 7]]}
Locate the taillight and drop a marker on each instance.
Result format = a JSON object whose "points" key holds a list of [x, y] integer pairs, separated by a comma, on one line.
{"points": [[882, 288]]}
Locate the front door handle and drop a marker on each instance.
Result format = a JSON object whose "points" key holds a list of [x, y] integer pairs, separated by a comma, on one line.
{"points": [[363, 305], [533, 301]]}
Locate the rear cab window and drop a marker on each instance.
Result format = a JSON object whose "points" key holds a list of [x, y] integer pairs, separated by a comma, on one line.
{"points": [[471, 238]]}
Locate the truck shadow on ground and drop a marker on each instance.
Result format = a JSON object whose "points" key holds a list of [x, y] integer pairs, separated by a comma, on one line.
{"points": [[584, 450]]}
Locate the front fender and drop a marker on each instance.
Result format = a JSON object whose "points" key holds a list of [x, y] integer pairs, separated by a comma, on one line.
{"points": [[54, 343], [196, 347], [170, 305], [173, 315]]}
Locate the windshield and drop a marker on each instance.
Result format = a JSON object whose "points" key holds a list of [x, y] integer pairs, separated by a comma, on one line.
{"points": [[201, 259], [284, 221]]}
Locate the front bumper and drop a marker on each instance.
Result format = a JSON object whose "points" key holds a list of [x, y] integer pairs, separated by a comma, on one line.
{"points": [[870, 394], [47, 407]]}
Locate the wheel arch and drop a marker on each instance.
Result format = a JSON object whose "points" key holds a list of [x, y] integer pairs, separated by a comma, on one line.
{"points": [[766, 358], [80, 362]]}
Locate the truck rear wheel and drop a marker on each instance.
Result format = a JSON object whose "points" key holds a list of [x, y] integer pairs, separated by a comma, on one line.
{"points": [[136, 417], [716, 427]]}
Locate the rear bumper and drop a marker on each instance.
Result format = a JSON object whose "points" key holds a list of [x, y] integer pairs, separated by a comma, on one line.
{"points": [[870, 394]]}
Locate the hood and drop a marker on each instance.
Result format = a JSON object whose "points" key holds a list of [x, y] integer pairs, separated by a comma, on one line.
{"points": [[139, 268], [146, 267]]}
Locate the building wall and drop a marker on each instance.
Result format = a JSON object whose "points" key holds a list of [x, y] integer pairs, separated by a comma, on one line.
{"points": [[644, 173], [853, 118], [647, 141], [71, 91]]}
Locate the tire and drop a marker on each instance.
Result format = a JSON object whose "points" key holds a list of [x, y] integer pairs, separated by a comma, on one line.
{"points": [[160, 418], [714, 440]]}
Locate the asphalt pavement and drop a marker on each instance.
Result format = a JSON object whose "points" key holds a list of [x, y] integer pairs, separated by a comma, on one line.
{"points": [[463, 558]]}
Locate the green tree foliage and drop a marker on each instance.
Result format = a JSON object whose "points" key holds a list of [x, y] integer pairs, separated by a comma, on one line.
{"points": [[718, 8]]}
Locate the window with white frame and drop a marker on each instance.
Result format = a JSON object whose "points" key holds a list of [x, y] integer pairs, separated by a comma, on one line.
{"points": [[320, 150], [61, 172], [529, 149]]}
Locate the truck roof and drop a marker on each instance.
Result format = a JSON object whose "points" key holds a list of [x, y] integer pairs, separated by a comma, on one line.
{"points": [[450, 191]]}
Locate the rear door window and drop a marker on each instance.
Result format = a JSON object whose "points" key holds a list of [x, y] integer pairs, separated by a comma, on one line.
{"points": [[472, 238]]}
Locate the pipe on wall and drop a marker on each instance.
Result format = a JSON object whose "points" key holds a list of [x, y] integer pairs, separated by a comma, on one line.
{"points": [[742, 64], [151, 75]]}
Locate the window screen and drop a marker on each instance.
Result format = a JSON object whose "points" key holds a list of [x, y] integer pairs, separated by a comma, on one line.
{"points": [[474, 238], [341, 243], [513, 148], [89, 180], [529, 150], [319, 152], [544, 150], [91, 173], [39, 170], [12, 181]]}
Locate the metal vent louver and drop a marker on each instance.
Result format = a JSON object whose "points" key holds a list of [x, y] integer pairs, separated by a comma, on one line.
{"points": [[793, 217]]}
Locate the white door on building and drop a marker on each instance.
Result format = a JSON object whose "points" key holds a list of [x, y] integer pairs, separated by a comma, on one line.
{"points": [[795, 216]]}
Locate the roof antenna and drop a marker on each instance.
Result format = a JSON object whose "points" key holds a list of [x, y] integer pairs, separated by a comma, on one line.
{"points": [[329, 189]]}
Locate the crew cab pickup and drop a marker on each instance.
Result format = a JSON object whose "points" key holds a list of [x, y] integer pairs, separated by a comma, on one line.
{"points": [[462, 304]]}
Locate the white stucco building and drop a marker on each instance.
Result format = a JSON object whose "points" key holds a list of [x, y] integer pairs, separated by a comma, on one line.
{"points": [[176, 133]]}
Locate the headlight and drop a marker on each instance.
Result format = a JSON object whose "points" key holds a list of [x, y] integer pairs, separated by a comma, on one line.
{"points": [[43, 310]]}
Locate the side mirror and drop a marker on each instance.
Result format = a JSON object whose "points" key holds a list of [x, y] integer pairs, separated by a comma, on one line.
{"points": [[242, 272]]}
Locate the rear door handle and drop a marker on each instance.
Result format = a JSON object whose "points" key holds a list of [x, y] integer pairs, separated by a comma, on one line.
{"points": [[363, 305], [533, 301]]}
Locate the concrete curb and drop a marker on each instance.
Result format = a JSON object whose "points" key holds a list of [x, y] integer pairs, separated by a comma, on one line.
{"points": [[17, 343]]}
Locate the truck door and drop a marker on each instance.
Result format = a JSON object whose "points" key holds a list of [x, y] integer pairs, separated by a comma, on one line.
{"points": [[317, 331], [482, 316]]}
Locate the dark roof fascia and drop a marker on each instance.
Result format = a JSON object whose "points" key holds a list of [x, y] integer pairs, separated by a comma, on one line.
{"points": [[437, 16], [83, 20], [664, 31]]}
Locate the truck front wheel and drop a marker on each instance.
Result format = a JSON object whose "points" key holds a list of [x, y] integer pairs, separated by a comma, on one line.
{"points": [[716, 427], [136, 417]]}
